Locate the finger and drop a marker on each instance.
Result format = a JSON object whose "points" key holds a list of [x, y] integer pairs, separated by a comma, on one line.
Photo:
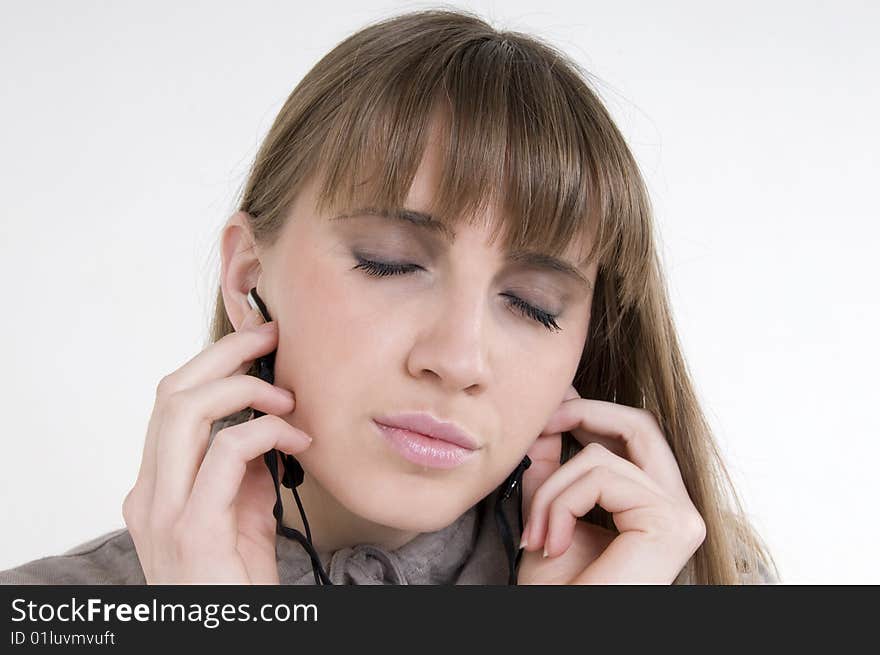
{"points": [[225, 357], [545, 454], [643, 441], [252, 319], [186, 428], [220, 476], [627, 560], [603, 486], [578, 466], [256, 523], [546, 447]]}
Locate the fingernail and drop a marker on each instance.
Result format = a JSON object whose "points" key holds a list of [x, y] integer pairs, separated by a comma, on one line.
{"points": [[545, 551], [524, 541]]}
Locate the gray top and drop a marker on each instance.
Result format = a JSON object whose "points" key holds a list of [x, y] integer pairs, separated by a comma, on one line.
{"points": [[468, 551]]}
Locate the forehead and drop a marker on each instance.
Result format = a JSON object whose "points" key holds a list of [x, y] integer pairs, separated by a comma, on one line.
{"points": [[423, 193], [418, 207]]}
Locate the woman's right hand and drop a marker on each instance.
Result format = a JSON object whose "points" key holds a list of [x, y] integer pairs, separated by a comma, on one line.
{"points": [[200, 515]]}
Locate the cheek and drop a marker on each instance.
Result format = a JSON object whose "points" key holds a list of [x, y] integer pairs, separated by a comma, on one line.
{"points": [[334, 345], [531, 389], [347, 330]]}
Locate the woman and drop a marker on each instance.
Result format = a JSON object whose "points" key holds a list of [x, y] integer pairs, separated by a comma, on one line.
{"points": [[444, 221]]}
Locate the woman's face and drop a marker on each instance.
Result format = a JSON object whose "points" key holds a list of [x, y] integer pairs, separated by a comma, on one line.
{"points": [[442, 339]]}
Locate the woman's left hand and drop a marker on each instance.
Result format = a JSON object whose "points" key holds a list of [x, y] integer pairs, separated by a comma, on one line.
{"points": [[626, 467]]}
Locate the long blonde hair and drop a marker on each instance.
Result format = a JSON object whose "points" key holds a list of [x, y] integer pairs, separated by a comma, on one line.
{"points": [[519, 116]]}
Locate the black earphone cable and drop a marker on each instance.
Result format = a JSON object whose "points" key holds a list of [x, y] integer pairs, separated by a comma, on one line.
{"points": [[270, 458], [511, 484], [293, 472]]}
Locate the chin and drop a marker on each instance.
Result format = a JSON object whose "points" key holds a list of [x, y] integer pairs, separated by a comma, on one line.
{"points": [[429, 521], [422, 512]]}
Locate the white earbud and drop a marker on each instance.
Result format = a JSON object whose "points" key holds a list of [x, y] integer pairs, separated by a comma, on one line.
{"points": [[253, 303]]}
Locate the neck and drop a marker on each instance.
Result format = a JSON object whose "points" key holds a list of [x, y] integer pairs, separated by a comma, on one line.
{"points": [[331, 524]]}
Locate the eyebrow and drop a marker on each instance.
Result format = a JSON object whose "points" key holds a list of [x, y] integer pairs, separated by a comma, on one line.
{"points": [[429, 223]]}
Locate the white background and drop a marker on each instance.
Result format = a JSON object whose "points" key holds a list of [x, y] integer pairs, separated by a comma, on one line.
{"points": [[127, 130]]}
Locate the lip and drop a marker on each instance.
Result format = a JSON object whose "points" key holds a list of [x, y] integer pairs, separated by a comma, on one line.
{"points": [[423, 450], [426, 425], [423, 440]]}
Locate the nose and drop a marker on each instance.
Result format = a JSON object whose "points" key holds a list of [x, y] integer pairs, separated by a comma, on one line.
{"points": [[454, 344]]}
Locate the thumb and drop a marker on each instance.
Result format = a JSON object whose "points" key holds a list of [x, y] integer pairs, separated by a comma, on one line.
{"points": [[545, 454]]}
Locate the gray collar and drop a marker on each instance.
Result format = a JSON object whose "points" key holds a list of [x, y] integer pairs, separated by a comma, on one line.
{"points": [[468, 551]]}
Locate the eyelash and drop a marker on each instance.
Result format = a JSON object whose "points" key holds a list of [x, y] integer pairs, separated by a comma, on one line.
{"points": [[382, 269]]}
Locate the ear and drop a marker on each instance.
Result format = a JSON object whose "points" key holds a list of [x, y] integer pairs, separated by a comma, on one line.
{"points": [[240, 266]]}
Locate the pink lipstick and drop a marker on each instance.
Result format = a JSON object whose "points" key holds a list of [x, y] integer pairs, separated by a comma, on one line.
{"points": [[426, 450]]}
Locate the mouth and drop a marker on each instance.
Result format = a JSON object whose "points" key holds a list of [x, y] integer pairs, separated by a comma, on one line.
{"points": [[423, 449], [428, 426]]}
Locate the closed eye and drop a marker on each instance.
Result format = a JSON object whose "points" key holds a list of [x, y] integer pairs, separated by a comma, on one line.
{"points": [[384, 269]]}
